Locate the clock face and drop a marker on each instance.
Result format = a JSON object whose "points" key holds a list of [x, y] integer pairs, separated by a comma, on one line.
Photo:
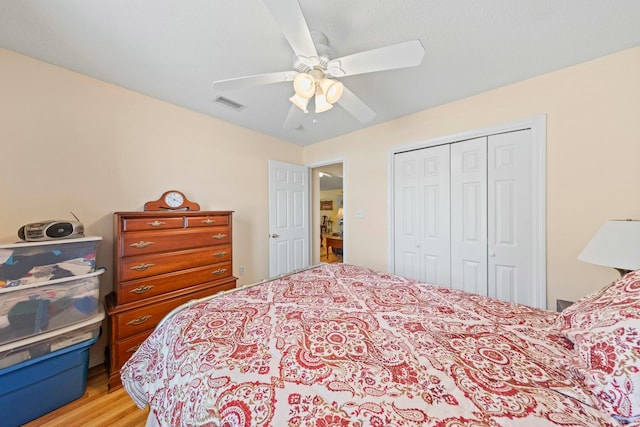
{"points": [[173, 199]]}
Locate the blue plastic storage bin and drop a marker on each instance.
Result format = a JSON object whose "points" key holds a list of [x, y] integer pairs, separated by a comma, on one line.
{"points": [[33, 388]]}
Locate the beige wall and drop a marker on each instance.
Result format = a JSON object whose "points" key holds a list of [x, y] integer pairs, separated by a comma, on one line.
{"points": [[593, 147], [72, 143]]}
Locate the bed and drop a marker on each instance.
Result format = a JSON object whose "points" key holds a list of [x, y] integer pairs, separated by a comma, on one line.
{"points": [[343, 345]]}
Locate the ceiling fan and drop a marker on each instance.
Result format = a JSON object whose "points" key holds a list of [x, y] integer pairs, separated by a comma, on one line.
{"points": [[316, 70]]}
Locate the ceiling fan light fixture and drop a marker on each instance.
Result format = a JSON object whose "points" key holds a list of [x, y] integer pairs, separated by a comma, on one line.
{"points": [[321, 103], [300, 102], [332, 90], [304, 85]]}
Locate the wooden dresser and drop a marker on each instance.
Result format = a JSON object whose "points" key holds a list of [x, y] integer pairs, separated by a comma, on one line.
{"points": [[162, 259]]}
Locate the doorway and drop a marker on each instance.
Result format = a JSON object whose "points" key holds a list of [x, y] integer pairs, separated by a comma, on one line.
{"points": [[328, 213]]}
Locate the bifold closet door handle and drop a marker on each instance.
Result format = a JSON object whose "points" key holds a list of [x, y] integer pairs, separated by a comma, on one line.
{"points": [[275, 236]]}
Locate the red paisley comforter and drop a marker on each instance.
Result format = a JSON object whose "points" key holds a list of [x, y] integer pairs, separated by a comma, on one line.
{"points": [[340, 345]]}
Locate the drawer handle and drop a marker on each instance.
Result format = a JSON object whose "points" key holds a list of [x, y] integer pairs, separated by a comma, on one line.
{"points": [[156, 223], [141, 289], [208, 221], [133, 349], [220, 254], [141, 244], [140, 320], [219, 271], [219, 236], [142, 267]]}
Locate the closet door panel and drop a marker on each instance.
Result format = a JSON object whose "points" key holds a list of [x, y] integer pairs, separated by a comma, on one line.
{"points": [[435, 214], [421, 215], [472, 276], [469, 215], [510, 236], [406, 250]]}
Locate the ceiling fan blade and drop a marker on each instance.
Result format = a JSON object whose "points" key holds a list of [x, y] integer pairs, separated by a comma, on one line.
{"points": [[294, 118], [401, 55], [255, 80], [289, 17], [355, 106]]}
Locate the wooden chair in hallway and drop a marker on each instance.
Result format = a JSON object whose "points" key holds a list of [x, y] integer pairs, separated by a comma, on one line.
{"points": [[323, 227]]}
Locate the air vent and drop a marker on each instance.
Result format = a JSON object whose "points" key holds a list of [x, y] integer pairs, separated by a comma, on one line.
{"points": [[230, 104]]}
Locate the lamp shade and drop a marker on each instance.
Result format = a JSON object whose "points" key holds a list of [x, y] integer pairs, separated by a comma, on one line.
{"points": [[300, 102], [332, 90], [321, 103], [304, 85], [616, 244]]}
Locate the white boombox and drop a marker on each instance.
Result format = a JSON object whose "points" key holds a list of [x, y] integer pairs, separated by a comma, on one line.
{"points": [[51, 230]]}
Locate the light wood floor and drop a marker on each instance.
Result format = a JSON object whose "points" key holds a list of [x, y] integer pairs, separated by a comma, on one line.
{"points": [[96, 407]]}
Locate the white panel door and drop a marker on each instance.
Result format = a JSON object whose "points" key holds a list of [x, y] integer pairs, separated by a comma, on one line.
{"points": [[421, 214], [469, 215], [406, 215], [510, 228], [288, 218]]}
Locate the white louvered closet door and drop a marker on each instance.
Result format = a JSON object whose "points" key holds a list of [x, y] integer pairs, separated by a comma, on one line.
{"points": [[421, 214]]}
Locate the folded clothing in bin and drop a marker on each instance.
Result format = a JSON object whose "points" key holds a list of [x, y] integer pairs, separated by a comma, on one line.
{"points": [[47, 342], [31, 262], [31, 315], [32, 309]]}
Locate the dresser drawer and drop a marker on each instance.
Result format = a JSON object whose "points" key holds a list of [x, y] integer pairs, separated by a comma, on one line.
{"points": [[152, 223], [140, 289], [123, 349], [207, 221], [131, 322], [136, 267], [144, 242]]}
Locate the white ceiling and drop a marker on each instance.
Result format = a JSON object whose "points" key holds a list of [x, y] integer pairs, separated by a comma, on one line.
{"points": [[174, 49]]}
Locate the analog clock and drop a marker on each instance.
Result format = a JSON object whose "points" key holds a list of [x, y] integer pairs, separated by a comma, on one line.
{"points": [[171, 200], [174, 199]]}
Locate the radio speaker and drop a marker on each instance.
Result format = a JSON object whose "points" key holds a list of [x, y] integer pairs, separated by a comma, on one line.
{"points": [[59, 229]]}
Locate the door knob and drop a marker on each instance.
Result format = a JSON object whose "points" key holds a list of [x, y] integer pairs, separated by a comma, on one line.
{"points": [[275, 236]]}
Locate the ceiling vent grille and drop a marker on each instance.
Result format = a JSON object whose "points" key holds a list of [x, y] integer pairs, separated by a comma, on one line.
{"points": [[230, 104]]}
